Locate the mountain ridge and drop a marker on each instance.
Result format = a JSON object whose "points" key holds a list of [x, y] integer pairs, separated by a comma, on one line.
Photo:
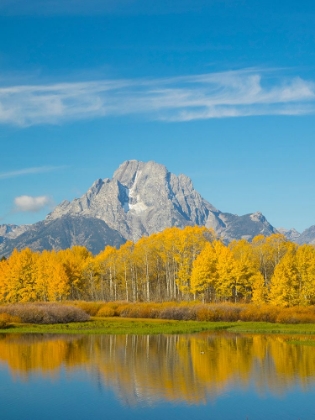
{"points": [[140, 199]]}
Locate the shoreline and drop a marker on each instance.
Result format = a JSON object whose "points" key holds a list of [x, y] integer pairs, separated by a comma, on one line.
{"points": [[145, 326]]}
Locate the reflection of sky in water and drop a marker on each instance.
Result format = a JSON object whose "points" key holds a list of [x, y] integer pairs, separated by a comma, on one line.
{"points": [[200, 376]]}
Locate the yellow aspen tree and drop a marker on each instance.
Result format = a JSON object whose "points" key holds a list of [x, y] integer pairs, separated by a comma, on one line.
{"points": [[145, 253], [204, 274], [251, 279], [44, 275], [228, 283], [22, 276], [259, 289], [278, 246], [293, 282], [305, 264], [188, 244], [4, 277], [284, 290], [164, 264], [167, 251], [270, 250], [73, 260], [59, 285], [158, 273], [124, 271], [107, 269], [91, 279]]}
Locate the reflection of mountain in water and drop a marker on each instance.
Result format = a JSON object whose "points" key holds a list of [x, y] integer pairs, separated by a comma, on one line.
{"points": [[147, 369]]}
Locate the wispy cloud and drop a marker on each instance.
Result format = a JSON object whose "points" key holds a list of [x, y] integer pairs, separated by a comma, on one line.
{"points": [[27, 203], [216, 95], [29, 171]]}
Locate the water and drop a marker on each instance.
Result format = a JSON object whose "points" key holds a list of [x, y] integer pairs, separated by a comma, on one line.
{"points": [[200, 376]]}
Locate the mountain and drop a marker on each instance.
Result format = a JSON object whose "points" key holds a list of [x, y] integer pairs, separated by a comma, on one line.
{"points": [[143, 198], [12, 231], [63, 233], [140, 199], [291, 234], [245, 227], [306, 237]]}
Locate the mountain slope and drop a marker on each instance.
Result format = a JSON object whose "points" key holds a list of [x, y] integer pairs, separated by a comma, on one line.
{"points": [[247, 226], [291, 234], [307, 236], [12, 231], [63, 233]]}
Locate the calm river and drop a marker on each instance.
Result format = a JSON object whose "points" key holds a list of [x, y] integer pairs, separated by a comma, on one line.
{"points": [[201, 376]]}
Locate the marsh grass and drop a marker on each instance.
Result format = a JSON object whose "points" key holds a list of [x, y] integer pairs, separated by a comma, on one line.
{"points": [[196, 311], [43, 313]]}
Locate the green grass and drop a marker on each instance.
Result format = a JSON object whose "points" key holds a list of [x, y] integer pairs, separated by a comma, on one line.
{"points": [[157, 326], [271, 328], [120, 326]]}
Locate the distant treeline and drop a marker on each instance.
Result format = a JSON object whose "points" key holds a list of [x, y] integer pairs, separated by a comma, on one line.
{"points": [[174, 265]]}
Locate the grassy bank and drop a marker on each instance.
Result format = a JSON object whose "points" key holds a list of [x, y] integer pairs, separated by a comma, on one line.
{"points": [[120, 326], [153, 318], [155, 326]]}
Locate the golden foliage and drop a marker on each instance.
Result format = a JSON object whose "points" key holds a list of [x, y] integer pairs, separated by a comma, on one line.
{"points": [[187, 264]]}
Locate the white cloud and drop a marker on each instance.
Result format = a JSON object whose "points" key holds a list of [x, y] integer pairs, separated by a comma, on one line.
{"points": [[28, 171], [27, 203], [215, 95]]}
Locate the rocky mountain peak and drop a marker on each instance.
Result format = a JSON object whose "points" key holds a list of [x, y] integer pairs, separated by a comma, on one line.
{"points": [[258, 217], [132, 171], [141, 198]]}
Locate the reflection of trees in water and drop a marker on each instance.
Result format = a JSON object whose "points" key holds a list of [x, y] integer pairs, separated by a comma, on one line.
{"points": [[146, 369], [44, 353]]}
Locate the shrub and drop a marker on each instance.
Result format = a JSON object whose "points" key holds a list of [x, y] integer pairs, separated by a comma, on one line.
{"points": [[45, 313], [181, 313], [218, 312], [121, 308], [296, 315], [91, 308], [6, 320], [205, 313], [80, 311], [264, 313], [105, 311], [3, 320]]}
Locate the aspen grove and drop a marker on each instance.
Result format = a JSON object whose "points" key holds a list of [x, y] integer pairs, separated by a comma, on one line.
{"points": [[174, 265]]}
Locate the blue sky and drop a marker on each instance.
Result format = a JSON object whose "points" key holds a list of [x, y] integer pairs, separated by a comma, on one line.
{"points": [[222, 91]]}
